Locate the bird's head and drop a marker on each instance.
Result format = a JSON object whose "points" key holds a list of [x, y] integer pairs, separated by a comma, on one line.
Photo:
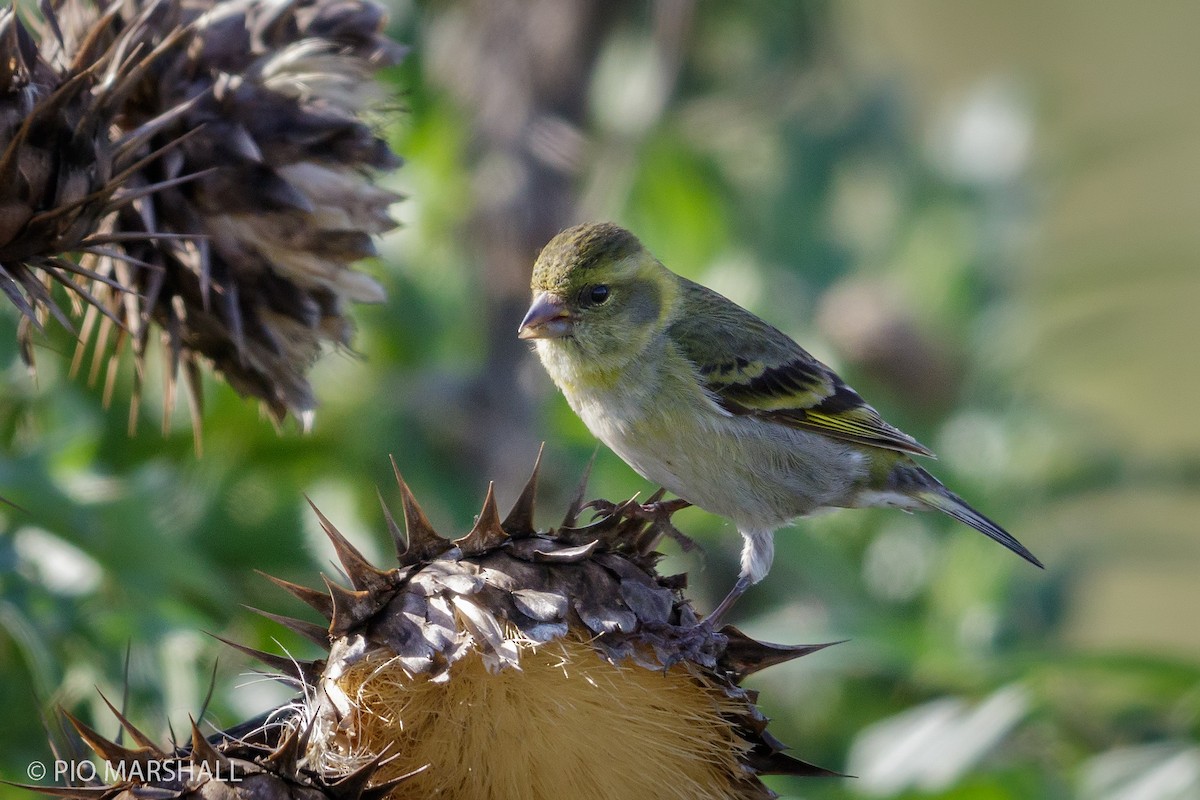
{"points": [[599, 291]]}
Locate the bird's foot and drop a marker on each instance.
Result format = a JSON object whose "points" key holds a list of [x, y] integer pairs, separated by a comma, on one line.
{"points": [[697, 643], [705, 639], [662, 509], [600, 508], [656, 511]]}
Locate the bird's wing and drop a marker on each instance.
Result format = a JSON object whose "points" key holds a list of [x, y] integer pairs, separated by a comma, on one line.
{"points": [[752, 368]]}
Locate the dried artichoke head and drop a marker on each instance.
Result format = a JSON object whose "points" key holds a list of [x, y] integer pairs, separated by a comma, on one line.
{"points": [[519, 663], [511, 662], [199, 172]]}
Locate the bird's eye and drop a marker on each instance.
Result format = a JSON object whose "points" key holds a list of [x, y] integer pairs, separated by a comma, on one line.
{"points": [[596, 295]]}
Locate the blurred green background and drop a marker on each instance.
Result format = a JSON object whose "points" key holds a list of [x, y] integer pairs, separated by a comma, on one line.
{"points": [[983, 215]]}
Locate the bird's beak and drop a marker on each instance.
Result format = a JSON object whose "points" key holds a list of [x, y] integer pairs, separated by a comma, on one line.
{"points": [[547, 318]]}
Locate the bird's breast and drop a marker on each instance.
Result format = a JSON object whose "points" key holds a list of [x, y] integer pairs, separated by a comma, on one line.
{"points": [[652, 416], [660, 420]]}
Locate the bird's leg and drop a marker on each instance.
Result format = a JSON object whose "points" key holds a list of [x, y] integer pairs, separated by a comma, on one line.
{"points": [[713, 620], [758, 550]]}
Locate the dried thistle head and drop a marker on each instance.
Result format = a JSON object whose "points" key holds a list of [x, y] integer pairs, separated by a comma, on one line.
{"points": [[526, 664], [220, 767], [507, 663], [199, 172]]}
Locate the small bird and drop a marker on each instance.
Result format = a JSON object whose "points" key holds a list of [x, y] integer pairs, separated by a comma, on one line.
{"points": [[702, 397]]}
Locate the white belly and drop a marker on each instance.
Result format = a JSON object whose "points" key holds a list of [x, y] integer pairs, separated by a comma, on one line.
{"points": [[756, 473]]}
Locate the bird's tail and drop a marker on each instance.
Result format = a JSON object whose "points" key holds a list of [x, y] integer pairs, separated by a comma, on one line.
{"points": [[942, 499]]}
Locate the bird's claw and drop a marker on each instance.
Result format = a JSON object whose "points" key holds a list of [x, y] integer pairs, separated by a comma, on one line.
{"points": [[662, 509], [601, 508], [658, 513], [653, 511]]}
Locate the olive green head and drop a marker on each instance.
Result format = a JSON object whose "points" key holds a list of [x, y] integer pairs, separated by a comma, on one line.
{"points": [[582, 255], [595, 286]]}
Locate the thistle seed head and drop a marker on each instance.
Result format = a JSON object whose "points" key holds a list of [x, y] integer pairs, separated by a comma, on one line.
{"points": [[201, 173], [513, 661]]}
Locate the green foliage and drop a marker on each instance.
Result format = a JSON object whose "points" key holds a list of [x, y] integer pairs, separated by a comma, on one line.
{"points": [[779, 172]]}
